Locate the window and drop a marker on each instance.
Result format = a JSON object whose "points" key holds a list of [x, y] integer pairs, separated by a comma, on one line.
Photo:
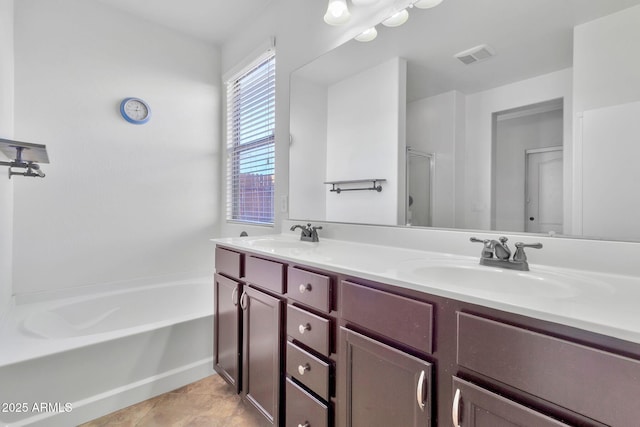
{"points": [[251, 142]]}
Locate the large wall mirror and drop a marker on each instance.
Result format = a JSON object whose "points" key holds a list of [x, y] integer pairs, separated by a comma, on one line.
{"points": [[515, 116]]}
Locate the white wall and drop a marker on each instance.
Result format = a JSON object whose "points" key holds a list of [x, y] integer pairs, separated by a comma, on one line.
{"points": [[605, 61], [120, 201], [610, 201], [6, 131], [607, 91], [363, 141], [480, 108], [433, 126], [308, 150]]}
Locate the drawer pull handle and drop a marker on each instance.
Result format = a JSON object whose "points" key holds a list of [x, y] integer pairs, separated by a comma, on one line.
{"points": [[455, 410], [420, 391], [303, 368], [234, 296], [303, 288], [306, 424], [303, 328], [243, 301]]}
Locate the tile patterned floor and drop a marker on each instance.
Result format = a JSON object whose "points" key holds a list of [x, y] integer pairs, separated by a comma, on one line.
{"points": [[209, 402]]}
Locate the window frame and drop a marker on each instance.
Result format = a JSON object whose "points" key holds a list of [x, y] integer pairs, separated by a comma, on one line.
{"points": [[235, 147]]}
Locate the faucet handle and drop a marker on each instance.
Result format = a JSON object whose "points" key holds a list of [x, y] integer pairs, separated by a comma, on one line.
{"points": [[529, 245], [487, 250], [314, 232], [520, 256]]}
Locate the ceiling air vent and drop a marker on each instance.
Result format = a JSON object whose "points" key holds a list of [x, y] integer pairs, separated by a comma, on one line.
{"points": [[475, 54]]}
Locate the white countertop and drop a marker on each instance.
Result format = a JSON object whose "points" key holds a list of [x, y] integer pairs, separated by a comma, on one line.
{"points": [[598, 302]]}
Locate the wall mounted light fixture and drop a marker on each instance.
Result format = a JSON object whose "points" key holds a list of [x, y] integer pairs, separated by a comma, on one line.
{"points": [[338, 14], [396, 19], [367, 35], [427, 4]]}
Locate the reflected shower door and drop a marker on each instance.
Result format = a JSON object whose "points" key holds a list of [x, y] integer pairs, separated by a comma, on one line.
{"points": [[419, 188]]}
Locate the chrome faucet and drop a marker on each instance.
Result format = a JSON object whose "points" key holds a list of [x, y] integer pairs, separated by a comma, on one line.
{"points": [[307, 232], [496, 253]]}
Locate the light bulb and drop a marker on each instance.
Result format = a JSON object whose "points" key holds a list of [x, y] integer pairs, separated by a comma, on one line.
{"points": [[367, 35], [396, 19], [337, 12], [427, 4], [364, 2]]}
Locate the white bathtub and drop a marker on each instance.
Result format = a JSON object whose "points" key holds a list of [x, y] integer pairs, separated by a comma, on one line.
{"points": [[66, 359]]}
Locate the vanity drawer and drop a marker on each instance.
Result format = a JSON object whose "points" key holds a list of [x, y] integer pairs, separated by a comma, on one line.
{"points": [[309, 288], [309, 370], [265, 274], [402, 319], [571, 375], [302, 409], [309, 329], [228, 262]]}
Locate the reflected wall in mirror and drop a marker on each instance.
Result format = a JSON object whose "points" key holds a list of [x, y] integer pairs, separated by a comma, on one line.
{"points": [[541, 136]]}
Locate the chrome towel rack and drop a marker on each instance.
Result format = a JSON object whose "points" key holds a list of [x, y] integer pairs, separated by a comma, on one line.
{"points": [[375, 185], [25, 156]]}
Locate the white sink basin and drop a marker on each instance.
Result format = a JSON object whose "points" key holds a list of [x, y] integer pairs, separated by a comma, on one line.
{"points": [[469, 277], [498, 280]]}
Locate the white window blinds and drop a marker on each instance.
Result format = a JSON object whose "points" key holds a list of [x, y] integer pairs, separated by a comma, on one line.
{"points": [[251, 142]]}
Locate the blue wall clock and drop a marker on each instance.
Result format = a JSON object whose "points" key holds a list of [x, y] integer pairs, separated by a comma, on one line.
{"points": [[135, 110]]}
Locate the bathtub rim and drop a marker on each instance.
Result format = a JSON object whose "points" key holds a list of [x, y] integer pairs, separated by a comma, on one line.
{"points": [[108, 287]]}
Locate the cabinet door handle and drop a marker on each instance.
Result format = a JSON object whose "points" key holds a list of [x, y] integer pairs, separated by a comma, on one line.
{"points": [[304, 288], [234, 296], [303, 368], [243, 301], [303, 328], [455, 409], [420, 391]]}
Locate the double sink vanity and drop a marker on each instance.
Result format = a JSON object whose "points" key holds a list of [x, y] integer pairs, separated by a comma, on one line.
{"points": [[338, 333]]}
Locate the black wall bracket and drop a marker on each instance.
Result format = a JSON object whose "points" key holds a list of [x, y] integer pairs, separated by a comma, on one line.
{"points": [[375, 185]]}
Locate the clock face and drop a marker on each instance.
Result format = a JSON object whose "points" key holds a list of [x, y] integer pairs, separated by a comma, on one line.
{"points": [[135, 110]]}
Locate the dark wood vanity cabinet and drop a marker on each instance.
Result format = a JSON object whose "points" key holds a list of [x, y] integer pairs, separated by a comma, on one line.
{"points": [[248, 328], [474, 406], [382, 383], [383, 386], [320, 349], [586, 384], [310, 364], [262, 304], [228, 287], [227, 324], [262, 352]]}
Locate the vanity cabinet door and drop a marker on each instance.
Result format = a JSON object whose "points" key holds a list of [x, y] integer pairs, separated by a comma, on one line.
{"points": [[227, 321], [384, 386], [262, 352], [474, 406], [571, 375]]}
